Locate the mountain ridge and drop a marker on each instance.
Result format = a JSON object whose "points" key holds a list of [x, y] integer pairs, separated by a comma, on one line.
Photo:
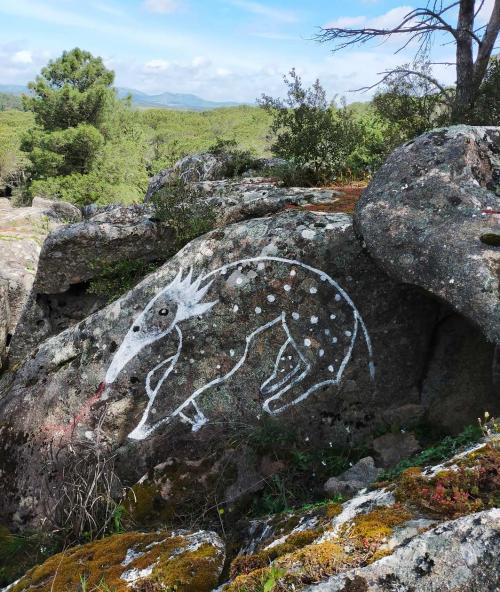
{"points": [[165, 100]]}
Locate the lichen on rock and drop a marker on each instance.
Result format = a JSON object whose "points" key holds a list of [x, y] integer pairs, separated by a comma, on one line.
{"points": [[181, 560]]}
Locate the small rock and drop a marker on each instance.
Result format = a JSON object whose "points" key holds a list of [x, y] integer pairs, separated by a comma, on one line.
{"points": [[392, 448], [362, 474]]}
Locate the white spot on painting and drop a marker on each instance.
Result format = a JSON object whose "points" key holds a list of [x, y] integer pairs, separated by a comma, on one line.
{"points": [[321, 353], [271, 298], [295, 316], [307, 342], [308, 234], [313, 290], [258, 309], [236, 308], [287, 288], [314, 320]]}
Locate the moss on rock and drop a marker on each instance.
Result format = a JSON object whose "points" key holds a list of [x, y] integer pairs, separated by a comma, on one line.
{"points": [[181, 561]]}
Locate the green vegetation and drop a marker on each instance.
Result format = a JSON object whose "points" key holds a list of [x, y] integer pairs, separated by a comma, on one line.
{"points": [[174, 134], [87, 146], [315, 136], [9, 101], [177, 206], [79, 143], [437, 452], [13, 162]]}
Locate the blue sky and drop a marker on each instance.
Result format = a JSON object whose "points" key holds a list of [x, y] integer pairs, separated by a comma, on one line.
{"points": [[218, 49]]}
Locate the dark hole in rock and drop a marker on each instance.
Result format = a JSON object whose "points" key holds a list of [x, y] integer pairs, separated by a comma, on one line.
{"points": [[113, 347], [491, 239], [8, 339], [134, 379], [135, 329]]}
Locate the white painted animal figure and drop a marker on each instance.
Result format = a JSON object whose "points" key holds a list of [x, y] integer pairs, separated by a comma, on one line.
{"points": [[216, 321]]}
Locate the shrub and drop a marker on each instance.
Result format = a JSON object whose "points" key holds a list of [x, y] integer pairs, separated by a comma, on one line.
{"points": [[181, 206], [238, 160], [310, 132]]}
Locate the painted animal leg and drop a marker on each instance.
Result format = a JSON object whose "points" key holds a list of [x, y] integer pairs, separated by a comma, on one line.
{"points": [[193, 415], [289, 364]]}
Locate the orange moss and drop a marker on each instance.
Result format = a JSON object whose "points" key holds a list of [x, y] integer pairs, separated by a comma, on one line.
{"points": [[102, 561], [472, 485]]}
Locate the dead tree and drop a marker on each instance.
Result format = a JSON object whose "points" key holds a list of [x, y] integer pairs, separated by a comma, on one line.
{"points": [[474, 45]]}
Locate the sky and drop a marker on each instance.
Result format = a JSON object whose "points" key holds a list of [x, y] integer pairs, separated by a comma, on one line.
{"points": [[224, 50]]}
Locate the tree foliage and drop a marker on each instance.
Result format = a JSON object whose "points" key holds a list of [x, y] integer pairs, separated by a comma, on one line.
{"points": [[87, 145], [310, 132]]}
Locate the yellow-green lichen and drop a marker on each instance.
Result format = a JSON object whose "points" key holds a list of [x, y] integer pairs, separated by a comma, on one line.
{"points": [[133, 559], [355, 544]]}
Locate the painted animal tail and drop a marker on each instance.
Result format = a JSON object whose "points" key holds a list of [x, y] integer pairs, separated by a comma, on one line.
{"points": [[369, 346]]}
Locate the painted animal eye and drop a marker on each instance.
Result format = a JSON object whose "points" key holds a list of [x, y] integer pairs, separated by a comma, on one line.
{"points": [[163, 312]]}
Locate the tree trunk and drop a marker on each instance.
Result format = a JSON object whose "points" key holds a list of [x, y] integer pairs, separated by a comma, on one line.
{"points": [[464, 97]]}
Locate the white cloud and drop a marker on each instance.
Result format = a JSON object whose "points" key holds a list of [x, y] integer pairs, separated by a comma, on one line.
{"points": [[161, 6], [259, 9], [22, 57], [156, 65], [388, 20]]}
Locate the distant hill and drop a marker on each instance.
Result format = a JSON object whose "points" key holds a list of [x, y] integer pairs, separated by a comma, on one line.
{"points": [[166, 100], [169, 100]]}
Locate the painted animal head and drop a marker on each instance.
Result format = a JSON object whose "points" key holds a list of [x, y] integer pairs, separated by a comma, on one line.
{"points": [[180, 300]]}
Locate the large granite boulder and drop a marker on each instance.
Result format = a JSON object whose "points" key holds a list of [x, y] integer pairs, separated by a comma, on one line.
{"points": [[179, 560], [430, 218], [456, 556], [283, 317], [74, 254], [22, 232]]}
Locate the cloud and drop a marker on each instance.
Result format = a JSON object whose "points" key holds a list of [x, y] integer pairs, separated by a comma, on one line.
{"points": [[56, 15], [388, 20], [22, 57], [156, 65], [259, 9], [162, 6]]}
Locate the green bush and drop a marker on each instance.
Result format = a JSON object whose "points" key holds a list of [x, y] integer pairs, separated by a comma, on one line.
{"points": [[182, 208], [238, 160], [311, 133]]}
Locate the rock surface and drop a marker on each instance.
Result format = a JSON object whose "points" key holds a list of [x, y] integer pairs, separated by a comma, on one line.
{"points": [[426, 216], [74, 254], [181, 560], [207, 166], [301, 293], [22, 232], [359, 476], [457, 556], [391, 448], [389, 539]]}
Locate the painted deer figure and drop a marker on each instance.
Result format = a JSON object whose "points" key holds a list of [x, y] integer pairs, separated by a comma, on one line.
{"points": [[260, 295]]}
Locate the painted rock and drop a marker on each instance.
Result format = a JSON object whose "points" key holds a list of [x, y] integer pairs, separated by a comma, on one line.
{"points": [[283, 318]]}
